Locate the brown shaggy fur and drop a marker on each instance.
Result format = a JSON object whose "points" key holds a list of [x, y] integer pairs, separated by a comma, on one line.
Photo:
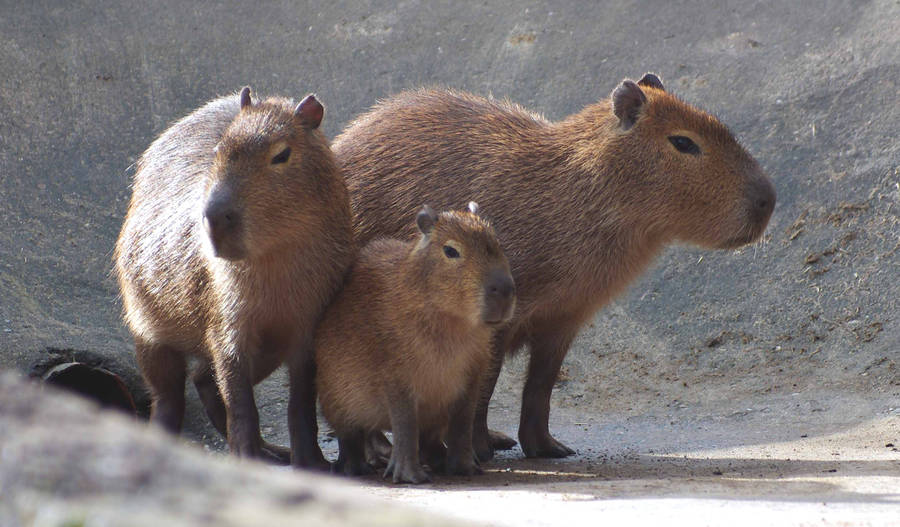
{"points": [[584, 204], [248, 300], [406, 342]]}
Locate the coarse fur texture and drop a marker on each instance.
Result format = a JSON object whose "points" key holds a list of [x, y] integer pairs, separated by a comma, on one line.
{"points": [[584, 204], [237, 236], [404, 345]]}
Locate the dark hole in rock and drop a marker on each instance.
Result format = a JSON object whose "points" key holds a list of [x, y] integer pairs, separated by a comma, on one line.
{"points": [[98, 384], [119, 365]]}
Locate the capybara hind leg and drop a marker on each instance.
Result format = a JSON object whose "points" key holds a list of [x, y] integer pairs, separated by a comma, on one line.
{"points": [[163, 368], [208, 390], [205, 383], [302, 424], [547, 353]]}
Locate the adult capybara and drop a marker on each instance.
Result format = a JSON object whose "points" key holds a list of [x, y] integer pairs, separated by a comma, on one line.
{"points": [[237, 236], [584, 204], [406, 343]]}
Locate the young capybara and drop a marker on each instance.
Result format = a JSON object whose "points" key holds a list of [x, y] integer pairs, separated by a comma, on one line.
{"points": [[584, 204], [238, 235], [405, 344]]}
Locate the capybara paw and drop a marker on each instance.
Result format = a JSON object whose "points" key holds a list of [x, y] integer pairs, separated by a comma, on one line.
{"points": [[246, 449], [406, 473], [378, 449], [347, 467], [275, 454], [481, 444], [466, 465], [310, 458], [483, 451], [500, 441], [544, 446]]}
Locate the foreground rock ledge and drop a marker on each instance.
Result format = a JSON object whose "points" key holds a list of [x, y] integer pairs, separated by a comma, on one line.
{"points": [[65, 462]]}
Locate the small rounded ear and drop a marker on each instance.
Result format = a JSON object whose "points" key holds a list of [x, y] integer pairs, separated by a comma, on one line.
{"points": [[627, 100], [473, 207], [245, 97], [426, 219], [310, 111], [650, 80]]}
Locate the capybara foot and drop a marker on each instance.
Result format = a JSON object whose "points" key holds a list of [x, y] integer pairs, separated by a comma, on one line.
{"points": [[465, 465], [481, 444], [351, 467], [500, 441], [275, 454], [313, 460], [378, 449], [406, 472], [543, 445]]}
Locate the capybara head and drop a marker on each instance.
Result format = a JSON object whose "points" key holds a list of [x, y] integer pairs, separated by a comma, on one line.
{"points": [[701, 185], [459, 262], [264, 177]]}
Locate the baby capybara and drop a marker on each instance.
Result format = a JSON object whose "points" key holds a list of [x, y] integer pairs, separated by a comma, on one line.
{"points": [[584, 204], [237, 236], [405, 344]]}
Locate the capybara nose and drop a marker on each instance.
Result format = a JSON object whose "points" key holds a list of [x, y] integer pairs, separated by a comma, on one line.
{"points": [[762, 195], [499, 297], [500, 286], [220, 217]]}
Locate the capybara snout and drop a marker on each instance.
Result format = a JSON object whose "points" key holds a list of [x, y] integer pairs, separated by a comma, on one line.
{"points": [[761, 195], [499, 296], [223, 223], [751, 215]]}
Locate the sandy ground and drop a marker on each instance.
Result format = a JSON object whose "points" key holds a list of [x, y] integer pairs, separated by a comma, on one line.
{"points": [[751, 465], [826, 454]]}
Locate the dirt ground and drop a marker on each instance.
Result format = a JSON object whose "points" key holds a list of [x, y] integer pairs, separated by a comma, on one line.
{"points": [[822, 454]]}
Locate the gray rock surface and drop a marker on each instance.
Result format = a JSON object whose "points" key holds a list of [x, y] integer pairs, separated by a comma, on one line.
{"points": [[65, 463], [811, 89]]}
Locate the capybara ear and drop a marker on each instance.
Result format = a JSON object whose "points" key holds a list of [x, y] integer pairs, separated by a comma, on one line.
{"points": [[651, 80], [310, 111], [473, 207], [627, 100], [425, 219], [245, 97]]}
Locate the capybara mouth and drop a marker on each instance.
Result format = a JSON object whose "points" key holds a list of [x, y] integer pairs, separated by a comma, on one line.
{"points": [[226, 249], [498, 315], [225, 244], [495, 317], [744, 239]]}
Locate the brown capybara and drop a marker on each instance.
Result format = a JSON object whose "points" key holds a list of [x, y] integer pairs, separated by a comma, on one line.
{"points": [[238, 235], [405, 344], [584, 204]]}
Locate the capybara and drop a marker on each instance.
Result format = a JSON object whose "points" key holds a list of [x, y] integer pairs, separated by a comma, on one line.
{"points": [[238, 235], [407, 341], [584, 204]]}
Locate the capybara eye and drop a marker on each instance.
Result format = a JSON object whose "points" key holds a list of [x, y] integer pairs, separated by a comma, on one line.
{"points": [[684, 144], [450, 252], [282, 157]]}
